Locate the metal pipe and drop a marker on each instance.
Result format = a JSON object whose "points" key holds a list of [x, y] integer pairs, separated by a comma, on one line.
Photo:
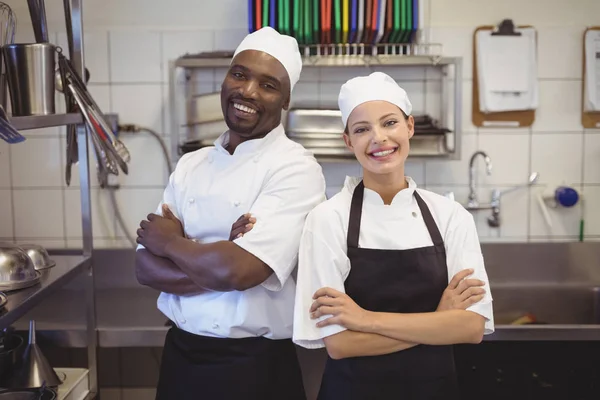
{"points": [[78, 60]]}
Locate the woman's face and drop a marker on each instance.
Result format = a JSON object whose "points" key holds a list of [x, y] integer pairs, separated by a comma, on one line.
{"points": [[378, 134]]}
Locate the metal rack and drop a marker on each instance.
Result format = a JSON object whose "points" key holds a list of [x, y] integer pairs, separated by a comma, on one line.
{"points": [[67, 266], [348, 55]]}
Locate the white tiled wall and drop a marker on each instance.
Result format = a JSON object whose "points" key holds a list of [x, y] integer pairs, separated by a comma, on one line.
{"points": [[128, 45]]}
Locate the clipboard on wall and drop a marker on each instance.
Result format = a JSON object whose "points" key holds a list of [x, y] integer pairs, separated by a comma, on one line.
{"points": [[589, 119], [508, 119]]}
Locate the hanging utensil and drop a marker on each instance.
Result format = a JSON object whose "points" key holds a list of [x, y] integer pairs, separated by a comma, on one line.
{"points": [[110, 165], [8, 133], [37, 12], [74, 78]]}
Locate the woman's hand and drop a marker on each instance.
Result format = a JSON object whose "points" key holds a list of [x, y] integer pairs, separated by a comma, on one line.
{"points": [[343, 310], [461, 293]]}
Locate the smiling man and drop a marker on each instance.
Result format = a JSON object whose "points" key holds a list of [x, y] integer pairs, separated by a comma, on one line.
{"points": [[230, 295]]}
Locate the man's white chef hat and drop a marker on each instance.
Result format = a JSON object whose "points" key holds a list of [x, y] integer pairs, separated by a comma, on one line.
{"points": [[377, 86], [282, 47]]}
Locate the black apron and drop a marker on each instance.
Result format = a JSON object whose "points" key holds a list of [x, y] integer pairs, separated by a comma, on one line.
{"points": [[400, 281], [197, 367]]}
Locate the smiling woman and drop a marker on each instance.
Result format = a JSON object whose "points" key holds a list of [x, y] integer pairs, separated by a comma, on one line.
{"points": [[383, 266]]}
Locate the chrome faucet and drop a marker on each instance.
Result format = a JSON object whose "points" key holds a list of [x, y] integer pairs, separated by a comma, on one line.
{"points": [[494, 204], [494, 219], [473, 203]]}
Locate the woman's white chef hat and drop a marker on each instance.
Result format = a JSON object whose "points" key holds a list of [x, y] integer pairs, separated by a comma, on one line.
{"points": [[377, 86], [282, 47]]}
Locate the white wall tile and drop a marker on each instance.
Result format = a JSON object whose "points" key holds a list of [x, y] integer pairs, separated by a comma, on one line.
{"points": [[135, 56], [510, 158], [591, 158], [6, 216], [101, 95], [335, 173], [591, 215], [95, 53], [148, 166], [559, 40], [559, 107], [139, 104], [43, 132], [48, 244], [456, 42], [445, 172], [121, 62], [135, 205], [229, 39], [39, 213], [532, 12], [565, 221], [557, 157], [177, 44], [36, 162], [4, 164], [103, 214], [416, 170]]}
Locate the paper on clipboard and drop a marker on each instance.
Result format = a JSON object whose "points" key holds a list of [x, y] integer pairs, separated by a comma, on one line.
{"points": [[592, 72], [512, 85], [505, 63]]}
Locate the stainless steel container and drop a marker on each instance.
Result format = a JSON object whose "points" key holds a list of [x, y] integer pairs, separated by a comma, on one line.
{"points": [[30, 74]]}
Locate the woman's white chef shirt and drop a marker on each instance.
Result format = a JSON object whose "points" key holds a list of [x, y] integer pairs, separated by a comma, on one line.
{"points": [[398, 226], [278, 182]]}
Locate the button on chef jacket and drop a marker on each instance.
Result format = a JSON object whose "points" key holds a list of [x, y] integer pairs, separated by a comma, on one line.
{"points": [[278, 182], [323, 259]]}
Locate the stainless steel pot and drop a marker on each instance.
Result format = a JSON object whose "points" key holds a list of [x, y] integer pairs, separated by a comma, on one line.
{"points": [[30, 75]]}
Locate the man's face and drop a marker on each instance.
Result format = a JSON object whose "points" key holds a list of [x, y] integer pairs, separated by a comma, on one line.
{"points": [[255, 91]]}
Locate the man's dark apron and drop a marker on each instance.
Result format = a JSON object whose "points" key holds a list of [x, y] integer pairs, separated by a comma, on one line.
{"points": [[199, 367], [398, 281]]}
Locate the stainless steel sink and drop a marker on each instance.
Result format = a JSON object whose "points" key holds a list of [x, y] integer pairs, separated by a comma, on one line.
{"points": [[557, 283], [547, 304]]}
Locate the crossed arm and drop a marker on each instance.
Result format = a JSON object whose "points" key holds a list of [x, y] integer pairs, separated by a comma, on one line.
{"points": [[172, 263], [372, 333]]}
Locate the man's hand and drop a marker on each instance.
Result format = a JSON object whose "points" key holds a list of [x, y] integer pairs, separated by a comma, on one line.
{"points": [[157, 232], [243, 225], [461, 293]]}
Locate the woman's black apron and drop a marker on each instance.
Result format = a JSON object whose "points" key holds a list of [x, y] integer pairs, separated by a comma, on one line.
{"points": [[400, 281], [197, 367]]}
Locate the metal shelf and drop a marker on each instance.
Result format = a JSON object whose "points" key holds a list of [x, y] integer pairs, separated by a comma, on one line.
{"points": [[120, 322], [329, 61], [45, 121], [343, 55], [449, 70], [22, 301]]}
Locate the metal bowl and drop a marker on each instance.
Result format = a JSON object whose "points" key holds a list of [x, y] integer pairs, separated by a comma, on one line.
{"points": [[39, 256], [16, 268]]}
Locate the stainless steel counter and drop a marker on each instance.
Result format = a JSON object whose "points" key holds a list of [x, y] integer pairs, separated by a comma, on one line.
{"points": [[559, 284]]}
